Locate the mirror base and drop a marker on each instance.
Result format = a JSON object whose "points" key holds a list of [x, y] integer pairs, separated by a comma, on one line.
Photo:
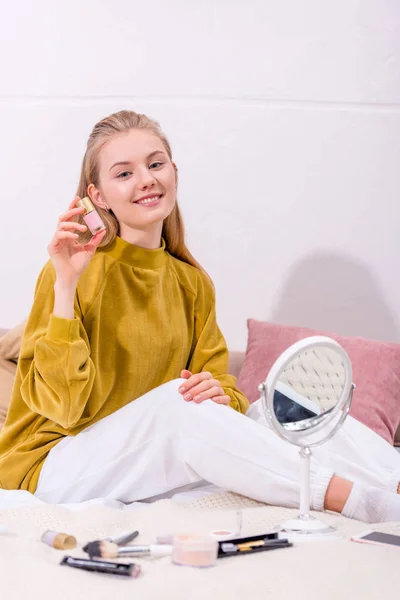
{"points": [[308, 528]]}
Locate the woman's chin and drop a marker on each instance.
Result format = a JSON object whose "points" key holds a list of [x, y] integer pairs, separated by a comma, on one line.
{"points": [[144, 218]]}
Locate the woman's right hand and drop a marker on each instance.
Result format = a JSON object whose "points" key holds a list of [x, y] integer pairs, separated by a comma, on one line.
{"points": [[69, 257]]}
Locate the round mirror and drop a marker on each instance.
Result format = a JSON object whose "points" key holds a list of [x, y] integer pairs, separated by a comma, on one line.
{"points": [[306, 397]]}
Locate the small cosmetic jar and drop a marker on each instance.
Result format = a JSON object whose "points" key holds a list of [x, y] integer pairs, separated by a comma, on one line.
{"points": [[91, 216], [224, 534], [194, 551], [60, 541]]}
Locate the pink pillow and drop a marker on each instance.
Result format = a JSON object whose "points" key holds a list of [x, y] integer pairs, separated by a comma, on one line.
{"points": [[376, 371]]}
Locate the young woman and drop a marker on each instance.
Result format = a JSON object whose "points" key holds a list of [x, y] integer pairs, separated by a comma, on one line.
{"points": [[122, 389]]}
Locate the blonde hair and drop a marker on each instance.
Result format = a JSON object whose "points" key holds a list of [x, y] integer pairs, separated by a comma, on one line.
{"points": [[121, 122]]}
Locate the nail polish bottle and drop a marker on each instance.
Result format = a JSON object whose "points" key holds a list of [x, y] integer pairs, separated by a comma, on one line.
{"points": [[91, 216]]}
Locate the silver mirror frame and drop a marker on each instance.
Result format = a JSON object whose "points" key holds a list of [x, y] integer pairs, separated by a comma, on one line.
{"points": [[320, 422], [306, 526]]}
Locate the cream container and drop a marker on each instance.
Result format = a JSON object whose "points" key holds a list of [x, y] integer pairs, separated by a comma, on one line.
{"points": [[194, 551]]}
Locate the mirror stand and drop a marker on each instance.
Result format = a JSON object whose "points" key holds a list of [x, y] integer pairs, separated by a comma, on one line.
{"points": [[305, 525]]}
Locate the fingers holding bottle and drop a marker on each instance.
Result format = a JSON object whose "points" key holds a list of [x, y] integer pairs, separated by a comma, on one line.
{"points": [[70, 257], [66, 228]]}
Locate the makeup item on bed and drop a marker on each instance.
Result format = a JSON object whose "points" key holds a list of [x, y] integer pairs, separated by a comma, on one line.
{"points": [[239, 521], [194, 551], [93, 548], [271, 535], [100, 566], [223, 534], [226, 534], [220, 534], [252, 544], [60, 541], [105, 549], [165, 538], [122, 538]]}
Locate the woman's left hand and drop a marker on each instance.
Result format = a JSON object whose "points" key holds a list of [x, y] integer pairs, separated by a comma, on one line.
{"points": [[202, 386]]}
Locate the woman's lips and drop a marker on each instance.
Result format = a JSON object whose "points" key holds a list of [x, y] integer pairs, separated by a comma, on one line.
{"points": [[149, 201]]}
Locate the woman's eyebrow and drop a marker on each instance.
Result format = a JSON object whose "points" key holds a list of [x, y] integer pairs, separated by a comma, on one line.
{"points": [[155, 153], [128, 162], [121, 162]]}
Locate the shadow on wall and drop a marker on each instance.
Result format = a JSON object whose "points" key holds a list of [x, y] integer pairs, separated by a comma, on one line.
{"points": [[335, 294]]}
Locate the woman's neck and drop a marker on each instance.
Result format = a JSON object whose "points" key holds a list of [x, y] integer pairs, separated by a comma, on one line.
{"points": [[149, 238]]}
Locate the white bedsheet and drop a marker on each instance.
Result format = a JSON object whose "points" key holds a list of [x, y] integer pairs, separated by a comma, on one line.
{"points": [[345, 570], [20, 498]]}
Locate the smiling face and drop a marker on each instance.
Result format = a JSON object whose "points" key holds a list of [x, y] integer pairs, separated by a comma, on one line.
{"points": [[137, 181]]}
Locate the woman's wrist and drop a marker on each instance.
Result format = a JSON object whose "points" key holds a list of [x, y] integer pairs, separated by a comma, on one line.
{"points": [[64, 297]]}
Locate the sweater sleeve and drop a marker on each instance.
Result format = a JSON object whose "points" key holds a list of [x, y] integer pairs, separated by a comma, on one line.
{"points": [[210, 351], [55, 368]]}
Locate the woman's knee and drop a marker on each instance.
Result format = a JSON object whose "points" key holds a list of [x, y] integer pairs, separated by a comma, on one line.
{"points": [[171, 388], [187, 413], [168, 395], [256, 413], [170, 392]]}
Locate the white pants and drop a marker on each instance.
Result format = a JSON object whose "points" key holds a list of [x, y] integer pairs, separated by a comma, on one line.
{"points": [[160, 443]]}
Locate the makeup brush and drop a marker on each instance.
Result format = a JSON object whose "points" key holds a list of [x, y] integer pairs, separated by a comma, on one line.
{"points": [[254, 546], [123, 538], [103, 549]]}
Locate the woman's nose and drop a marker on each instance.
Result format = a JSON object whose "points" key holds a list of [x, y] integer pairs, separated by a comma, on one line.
{"points": [[145, 178]]}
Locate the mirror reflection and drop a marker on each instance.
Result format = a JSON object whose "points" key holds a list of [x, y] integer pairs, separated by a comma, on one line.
{"points": [[309, 387]]}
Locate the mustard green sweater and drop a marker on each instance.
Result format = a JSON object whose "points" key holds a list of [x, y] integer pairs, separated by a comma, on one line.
{"points": [[140, 317]]}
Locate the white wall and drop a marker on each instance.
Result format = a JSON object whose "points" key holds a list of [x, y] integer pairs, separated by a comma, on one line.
{"points": [[284, 117]]}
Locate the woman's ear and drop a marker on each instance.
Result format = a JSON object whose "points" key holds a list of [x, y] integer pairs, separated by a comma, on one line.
{"points": [[96, 197]]}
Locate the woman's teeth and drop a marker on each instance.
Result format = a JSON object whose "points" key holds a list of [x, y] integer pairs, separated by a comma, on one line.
{"points": [[148, 200]]}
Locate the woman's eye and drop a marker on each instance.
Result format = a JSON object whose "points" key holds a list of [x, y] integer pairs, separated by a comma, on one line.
{"points": [[156, 165], [123, 175]]}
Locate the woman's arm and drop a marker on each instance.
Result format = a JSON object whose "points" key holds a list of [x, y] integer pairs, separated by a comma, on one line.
{"points": [[210, 355], [55, 368]]}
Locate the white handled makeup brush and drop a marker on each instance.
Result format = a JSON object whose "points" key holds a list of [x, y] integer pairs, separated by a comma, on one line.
{"points": [[103, 549]]}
